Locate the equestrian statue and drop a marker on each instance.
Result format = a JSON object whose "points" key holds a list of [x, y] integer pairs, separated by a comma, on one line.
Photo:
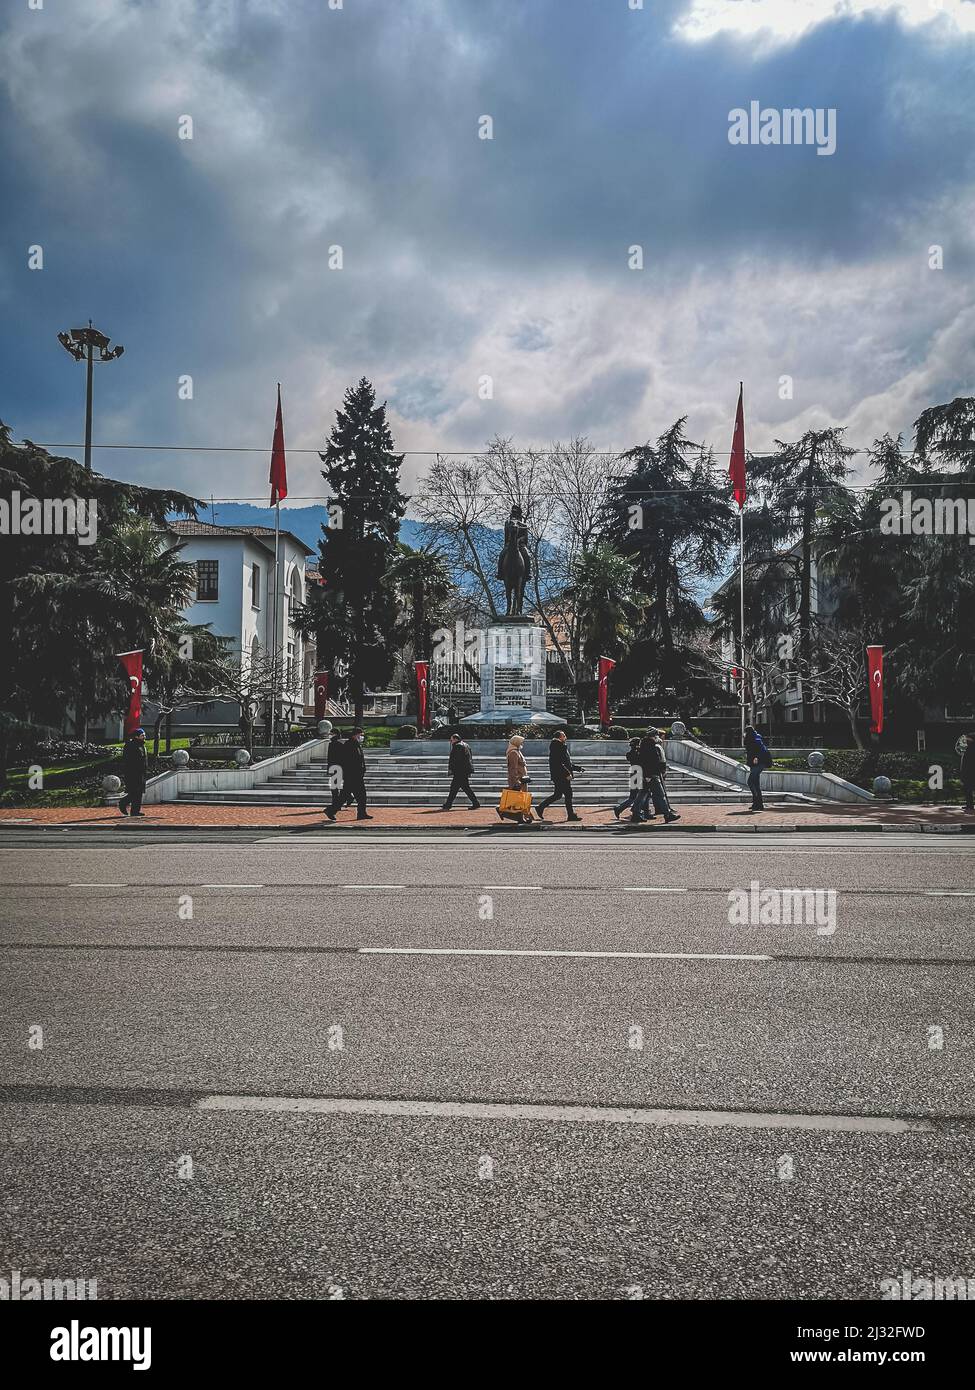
{"points": [[514, 563]]}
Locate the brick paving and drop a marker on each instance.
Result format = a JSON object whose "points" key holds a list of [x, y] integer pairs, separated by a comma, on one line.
{"points": [[829, 815]]}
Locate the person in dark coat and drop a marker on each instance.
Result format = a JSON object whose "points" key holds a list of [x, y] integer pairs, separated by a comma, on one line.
{"points": [[968, 771], [757, 757], [353, 767], [652, 761], [135, 770], [636, 785], [460, 765], [561, 770], [335, 762]]}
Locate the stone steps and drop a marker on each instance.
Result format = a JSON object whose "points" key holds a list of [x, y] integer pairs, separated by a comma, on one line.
{"points": [[423, 782]]}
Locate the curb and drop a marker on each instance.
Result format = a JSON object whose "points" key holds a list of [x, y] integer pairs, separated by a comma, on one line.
{"points": [[339, 827]]}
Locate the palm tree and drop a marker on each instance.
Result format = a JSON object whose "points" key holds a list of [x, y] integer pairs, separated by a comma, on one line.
{"points": [[424, 586]]}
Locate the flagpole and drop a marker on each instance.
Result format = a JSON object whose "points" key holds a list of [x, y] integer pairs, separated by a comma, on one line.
{"points": [[741, 595], [274, 620], [741, 563]]}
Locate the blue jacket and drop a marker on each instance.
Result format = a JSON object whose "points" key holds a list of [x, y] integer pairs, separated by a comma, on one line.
{"points": [[756, 747]]}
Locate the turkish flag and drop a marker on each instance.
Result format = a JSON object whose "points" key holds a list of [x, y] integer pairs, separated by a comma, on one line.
{"points": [[132, 661], [736, 469], [422, 684], [321, 693], [875, 668], [279, 472], [606, 664]]}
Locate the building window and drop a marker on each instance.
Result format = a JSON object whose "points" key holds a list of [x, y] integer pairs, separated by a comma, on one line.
{"points": [[206, 580], [256, 586]]}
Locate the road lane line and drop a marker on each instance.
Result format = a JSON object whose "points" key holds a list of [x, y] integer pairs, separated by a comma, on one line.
{"points": [[572, 1114], [670, 890], [576, 955], [100, 885], [214, 885]]}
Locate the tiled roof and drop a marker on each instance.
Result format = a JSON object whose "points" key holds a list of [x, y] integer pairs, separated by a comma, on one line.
{"points": [[207, 528]]}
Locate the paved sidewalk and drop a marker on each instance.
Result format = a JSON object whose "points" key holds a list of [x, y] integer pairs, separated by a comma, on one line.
{"points": [[824, 815]]}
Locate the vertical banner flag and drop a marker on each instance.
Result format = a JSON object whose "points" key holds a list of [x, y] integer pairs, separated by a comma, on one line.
{"points": [[875, 668], [132, 662], [321, 694], [606, 665], [736, 469], [278, 477], [422, 681]]}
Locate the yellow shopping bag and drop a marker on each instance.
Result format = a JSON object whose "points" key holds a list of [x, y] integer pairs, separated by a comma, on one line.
{"points": [[512, 800]]}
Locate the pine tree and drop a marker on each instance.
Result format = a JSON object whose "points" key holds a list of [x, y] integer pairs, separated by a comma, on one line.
{"points": [[353, 613], [670, 516]]}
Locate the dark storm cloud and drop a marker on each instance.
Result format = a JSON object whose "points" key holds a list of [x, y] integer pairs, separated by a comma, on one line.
{"points": [[463, 257]]}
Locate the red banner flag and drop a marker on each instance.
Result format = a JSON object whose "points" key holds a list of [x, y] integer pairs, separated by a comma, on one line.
{"points": [[321, 693], [875, 668], [279, 473], [606, 664], [132, 661], [736, 469], [422, 683]]}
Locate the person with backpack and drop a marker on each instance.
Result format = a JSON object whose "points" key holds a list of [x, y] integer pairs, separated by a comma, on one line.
{"points": [[757, 757], [460, 765], [652, 761]]}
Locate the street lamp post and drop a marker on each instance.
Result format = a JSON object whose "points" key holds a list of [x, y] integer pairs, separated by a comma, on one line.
{"points": [[81, 343]]}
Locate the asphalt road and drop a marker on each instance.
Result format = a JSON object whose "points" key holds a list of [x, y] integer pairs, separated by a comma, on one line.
{"points": [[295, 1091]]}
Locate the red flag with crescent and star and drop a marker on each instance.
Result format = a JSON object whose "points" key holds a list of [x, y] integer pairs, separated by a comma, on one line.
{"points": [[422, 685], [279, 470], [736, 469], [132, 662], [875, 668], [606, 664], [321, 694]]}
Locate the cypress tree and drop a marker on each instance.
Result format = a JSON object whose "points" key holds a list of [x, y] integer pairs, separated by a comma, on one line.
{"points": [[353, 613]]}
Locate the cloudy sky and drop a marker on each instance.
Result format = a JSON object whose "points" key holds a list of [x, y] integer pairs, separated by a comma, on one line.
{"points": [[466, 258]]}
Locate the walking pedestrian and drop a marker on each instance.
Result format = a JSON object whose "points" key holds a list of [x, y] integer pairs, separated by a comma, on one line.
{"points": [[636, 785], [561, 769], [757, 757], [135, 770], [968, 771], [335, 762], [460, 765], [517, 773], [653, 766], [354, 770]]}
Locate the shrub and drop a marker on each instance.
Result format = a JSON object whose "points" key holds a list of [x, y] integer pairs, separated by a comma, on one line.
{"points": [[407, 731], [67, 751], [616, 731]]}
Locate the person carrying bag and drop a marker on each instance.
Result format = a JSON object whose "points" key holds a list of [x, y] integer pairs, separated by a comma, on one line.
{"points": [[516, 799]]}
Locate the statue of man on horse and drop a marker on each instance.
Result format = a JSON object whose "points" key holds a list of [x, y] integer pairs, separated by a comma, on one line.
{"points": [[514, 563]]}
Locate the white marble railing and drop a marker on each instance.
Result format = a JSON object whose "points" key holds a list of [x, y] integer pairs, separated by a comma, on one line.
{"points": [[168, 786]]}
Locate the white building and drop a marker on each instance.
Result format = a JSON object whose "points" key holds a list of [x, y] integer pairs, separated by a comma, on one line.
{"points": [[237, 597]]}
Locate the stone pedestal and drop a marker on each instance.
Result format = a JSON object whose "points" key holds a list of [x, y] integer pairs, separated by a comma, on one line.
{"points": [[513, 675]]}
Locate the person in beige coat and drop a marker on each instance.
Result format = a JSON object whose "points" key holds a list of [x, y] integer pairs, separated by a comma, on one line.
{"points": [[517, 769]]}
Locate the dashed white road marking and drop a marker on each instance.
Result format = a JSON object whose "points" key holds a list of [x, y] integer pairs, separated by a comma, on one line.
{"points": [[576, 955], [572, 1114], [654, 890]]}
